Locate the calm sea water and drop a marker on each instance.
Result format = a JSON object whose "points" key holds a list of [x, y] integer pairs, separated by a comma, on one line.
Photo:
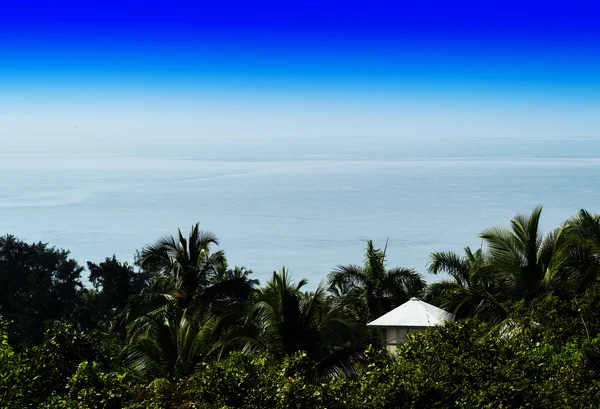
{"points": [[306, 204]]}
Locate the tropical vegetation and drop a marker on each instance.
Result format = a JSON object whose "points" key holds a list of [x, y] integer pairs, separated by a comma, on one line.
{"points": [[180, 328]]}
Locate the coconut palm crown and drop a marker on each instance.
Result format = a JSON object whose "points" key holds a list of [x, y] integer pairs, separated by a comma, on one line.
{"points": [[372, 290]]}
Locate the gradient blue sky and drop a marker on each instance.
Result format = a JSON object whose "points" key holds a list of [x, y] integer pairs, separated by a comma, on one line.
{"points": [[425, 69]]}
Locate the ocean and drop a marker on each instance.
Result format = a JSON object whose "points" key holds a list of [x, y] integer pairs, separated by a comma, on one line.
{"points": [[308, 204]]}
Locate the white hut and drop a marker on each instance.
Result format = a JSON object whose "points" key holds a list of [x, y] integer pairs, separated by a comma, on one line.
{"points": [[412, 316]]}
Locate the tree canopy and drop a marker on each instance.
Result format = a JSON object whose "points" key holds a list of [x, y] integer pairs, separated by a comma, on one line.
{"points": [[37, 283], [181, 328]]}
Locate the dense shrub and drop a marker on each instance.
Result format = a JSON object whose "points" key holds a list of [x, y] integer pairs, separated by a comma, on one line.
{"points": [[38, 373], [541, 350], [461, 365]]}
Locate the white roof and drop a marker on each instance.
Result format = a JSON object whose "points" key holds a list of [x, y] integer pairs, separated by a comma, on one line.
{"points": [[413, 313]]}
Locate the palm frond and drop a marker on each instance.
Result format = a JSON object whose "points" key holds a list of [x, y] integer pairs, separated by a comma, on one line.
{"points": [[437, 293], [162, 294], [452, 264], [407, 280], [350, 276]]}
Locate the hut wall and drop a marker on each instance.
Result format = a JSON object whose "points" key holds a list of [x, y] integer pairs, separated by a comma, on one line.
{"points": [[394, 336]]}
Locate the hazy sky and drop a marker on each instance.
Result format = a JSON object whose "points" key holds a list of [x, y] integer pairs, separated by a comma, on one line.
{"points": [[74, 71]]}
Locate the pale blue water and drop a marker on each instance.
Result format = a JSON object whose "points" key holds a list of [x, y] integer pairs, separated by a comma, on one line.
{"points": [[309, 205]]}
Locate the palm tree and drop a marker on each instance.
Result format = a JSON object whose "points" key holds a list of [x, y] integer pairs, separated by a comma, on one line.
{"points": [[372, 290], [224, 273], [587, 226], [283, 319], [167, 344], [584, 237], [519, 265], [189, 261], [195, 295], [192, 277], [521, 262], [465, 294]]}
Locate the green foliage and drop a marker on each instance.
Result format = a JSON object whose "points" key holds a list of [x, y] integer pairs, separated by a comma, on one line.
{"points": [[36, 374], [6, 352], [172, 325], [114, 284], [282, 319], [118, 281], [167, 343], [519, 265], [464, 364], [252, 381], [371, 290], [9, 364], [90, 387], [467, 293], [189, 261], [37, 283], [204, 336]]}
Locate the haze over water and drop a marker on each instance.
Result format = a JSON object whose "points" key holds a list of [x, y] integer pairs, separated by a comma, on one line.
{"points": [[309, 205]]}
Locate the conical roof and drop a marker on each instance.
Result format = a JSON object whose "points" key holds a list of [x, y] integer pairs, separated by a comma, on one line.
{"points": [[413, 313]]}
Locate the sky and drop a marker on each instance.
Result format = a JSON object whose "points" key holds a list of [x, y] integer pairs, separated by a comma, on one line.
{"points": [[276, 69]]}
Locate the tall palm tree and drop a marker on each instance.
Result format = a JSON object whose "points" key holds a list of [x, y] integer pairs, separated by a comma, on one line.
{"points": [[224, 273], [465, 294], [521, 262], [167, 344], [372, 290], [461, 269], [189, 261], [196, 295], [192, 277], [283, 319], [519, 265], [587, 226], [584, 238]]}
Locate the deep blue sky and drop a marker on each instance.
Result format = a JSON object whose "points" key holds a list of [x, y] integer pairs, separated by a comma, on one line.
{"points": [[429, 56]]}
